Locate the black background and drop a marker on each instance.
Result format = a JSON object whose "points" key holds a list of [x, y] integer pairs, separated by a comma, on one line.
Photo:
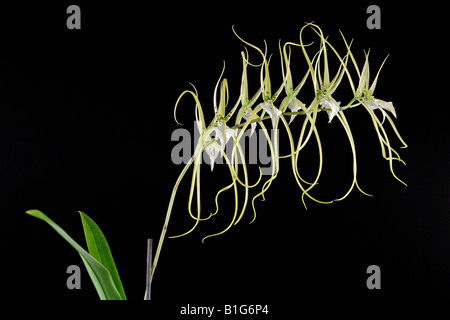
{"points": [[86, 118]]}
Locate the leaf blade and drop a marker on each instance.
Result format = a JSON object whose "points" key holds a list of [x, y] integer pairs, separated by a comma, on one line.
{"points": [[99, 249], [100, 276]]}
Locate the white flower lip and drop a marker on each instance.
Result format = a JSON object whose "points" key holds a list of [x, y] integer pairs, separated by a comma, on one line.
{"points": [[273, 112], [294, 107], [382, 105], [213, 150], [332, 107], [222, 129]]}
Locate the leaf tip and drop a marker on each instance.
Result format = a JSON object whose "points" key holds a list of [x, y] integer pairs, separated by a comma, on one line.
{"points": [[35, 213]]}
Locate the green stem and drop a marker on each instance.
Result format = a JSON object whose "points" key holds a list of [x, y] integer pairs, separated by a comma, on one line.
{"points": [[348, 106], [169, 211]]}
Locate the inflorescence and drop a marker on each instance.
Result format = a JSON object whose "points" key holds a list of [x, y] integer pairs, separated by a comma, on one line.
{"points": [[264, 105]]}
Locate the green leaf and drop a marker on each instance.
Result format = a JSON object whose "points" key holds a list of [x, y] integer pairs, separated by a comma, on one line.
{"points": [[99, 249], [100, 276]]}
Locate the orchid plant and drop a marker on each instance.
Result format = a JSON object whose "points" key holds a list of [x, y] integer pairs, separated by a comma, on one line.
{"points": [[252, 113]]}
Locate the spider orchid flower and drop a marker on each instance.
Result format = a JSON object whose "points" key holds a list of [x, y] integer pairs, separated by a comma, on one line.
{"points": [[293, 103], [323, 84], [364, 92], [364, 95], [245, 111], [222, 131]]}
